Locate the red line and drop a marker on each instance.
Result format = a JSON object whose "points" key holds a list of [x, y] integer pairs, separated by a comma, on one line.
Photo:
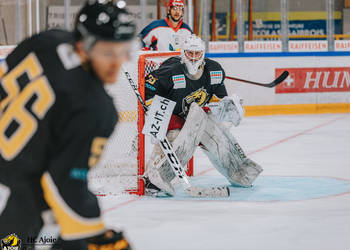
{"points": [[296, 135], [283, 140], [250, 153], [120, 205]]}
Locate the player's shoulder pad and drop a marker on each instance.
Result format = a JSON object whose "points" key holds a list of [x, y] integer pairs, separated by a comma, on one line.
{"points": [[171, 66], [212, 65], [171, 62], [185, 26], [43, 44], [153, 25], [167, 70], [49, 39], [215, 71]]}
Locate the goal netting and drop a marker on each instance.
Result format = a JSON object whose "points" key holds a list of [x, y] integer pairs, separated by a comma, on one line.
{"points": [[122, 164]]}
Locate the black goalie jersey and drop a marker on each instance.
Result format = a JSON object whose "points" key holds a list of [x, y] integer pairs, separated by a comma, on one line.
{"points": [[171, 81], [55, 118]]}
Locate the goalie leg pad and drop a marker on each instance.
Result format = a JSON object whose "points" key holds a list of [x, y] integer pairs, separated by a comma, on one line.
{"points": [[157, 174], [184, 143], [227, 156]]}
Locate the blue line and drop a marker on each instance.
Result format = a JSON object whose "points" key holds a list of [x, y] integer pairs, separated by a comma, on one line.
{"points": [[278, 54]]}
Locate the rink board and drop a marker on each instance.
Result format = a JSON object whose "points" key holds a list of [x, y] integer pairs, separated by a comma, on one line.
{"points": [[319, 82]]}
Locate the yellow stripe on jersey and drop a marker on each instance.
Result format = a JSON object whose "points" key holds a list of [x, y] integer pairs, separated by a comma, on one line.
{"points": [[149, 102], [214, 98], [72, 225], [294, 109], [294, 15]]}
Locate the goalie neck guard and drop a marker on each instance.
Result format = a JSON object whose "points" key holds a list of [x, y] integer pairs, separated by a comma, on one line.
{"points": [[192, 53], [103, 20]]}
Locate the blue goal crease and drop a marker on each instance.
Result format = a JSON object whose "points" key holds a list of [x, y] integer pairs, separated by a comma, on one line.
{"points": [[271, 188]]}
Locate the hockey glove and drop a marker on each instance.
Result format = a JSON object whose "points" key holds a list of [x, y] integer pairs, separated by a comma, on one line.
{"points": [[229, 109], [109, 240]]}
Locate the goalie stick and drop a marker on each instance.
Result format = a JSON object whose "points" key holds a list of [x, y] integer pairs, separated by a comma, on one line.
{"points": [[272, 84], [175, 163]]}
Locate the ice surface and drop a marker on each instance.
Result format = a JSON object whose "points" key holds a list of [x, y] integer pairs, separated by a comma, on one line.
{"points": [[301, 201]]}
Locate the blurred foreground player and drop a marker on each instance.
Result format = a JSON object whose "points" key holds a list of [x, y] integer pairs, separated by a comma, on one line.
{"points": [[55, 118], [193, 81]]}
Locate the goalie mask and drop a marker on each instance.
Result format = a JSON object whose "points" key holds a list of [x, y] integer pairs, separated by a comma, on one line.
{"points": [[192, 53]]}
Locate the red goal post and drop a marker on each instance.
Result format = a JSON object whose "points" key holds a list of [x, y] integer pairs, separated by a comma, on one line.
{"points": [[147, 63], [123, 162]]}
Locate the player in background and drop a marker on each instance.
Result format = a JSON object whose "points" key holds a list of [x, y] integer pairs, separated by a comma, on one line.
{"points": [[193, 81], [166, 34], [55, 119]]}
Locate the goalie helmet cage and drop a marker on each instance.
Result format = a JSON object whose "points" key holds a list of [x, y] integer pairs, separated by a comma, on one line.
{"points": [[122, 163]]}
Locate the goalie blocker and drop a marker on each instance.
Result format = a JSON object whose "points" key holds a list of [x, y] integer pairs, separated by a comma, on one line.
{"points": [[220, 146]]}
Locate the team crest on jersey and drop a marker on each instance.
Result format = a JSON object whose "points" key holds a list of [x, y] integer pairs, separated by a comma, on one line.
{"points": [[200, 96], [151, 79], [11, 242], [179, 81], [216, 77]]}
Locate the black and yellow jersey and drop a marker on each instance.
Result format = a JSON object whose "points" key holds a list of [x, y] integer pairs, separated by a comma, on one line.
{"points": [[55, 118], [171, 81]]}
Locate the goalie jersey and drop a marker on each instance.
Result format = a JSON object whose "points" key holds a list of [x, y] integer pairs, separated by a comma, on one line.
{"points": [[171, 81], [55, 118]]}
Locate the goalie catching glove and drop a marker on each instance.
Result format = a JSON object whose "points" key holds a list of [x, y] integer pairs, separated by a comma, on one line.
{"points": [[109, 240], [229, 109]]}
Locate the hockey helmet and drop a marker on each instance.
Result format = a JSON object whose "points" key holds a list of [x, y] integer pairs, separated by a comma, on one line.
{"points": [[103, 20], [192, 53], [178, 3]]}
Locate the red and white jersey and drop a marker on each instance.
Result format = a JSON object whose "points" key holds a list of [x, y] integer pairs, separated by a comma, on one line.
{"points": [[160, 35]]}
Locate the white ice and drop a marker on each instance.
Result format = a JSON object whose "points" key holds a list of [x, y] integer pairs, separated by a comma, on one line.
{"points": [[315, 147]]}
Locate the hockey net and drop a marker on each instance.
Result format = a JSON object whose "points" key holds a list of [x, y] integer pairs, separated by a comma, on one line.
{"points": [[122, 163]]}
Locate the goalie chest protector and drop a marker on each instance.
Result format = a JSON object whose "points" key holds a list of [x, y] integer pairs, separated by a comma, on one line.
{"points": [[171, 81]]}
